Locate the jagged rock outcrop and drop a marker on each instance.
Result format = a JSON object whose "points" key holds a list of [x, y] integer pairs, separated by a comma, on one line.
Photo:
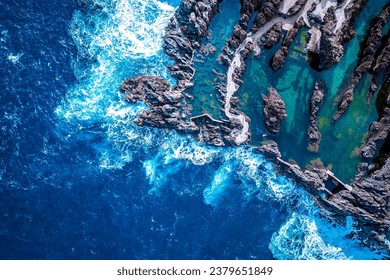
{"points": [[194, 17], [316, 99], [165, 111], [268, 10], [277, 60], [184, 34], [382, 63], [331, 50], [373, 59], [168, 108], [270, 150], [213, 132], [295, 8], [333, 34], [274, 111], [367, 201], [272, 37], [248, 8], [379, 130], [164, 105]]}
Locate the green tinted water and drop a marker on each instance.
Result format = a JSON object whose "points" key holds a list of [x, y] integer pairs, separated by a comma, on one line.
{"points": [[204, 92], [339, 148]]}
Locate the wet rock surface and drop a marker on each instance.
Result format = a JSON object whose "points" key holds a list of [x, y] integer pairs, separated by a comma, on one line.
{"points": [[274, 111], [334, 35], [270, 149], [277, 60], [368, 203], [169, 108], [164, 105], [379, 130], [272, 37], [316, 99], [373, 59]]}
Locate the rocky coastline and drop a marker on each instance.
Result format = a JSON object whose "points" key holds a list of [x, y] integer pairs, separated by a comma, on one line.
{"points": [[367, 198]]}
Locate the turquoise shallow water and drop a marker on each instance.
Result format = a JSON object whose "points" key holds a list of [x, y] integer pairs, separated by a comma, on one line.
{"points": [[339, 148], [204, 92]]}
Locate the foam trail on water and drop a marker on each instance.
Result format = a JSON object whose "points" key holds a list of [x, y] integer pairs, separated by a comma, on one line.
{"points": [[221, 181]]}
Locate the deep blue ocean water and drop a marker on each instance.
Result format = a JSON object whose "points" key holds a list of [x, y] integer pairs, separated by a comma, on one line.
{"points": [[79, 180]]}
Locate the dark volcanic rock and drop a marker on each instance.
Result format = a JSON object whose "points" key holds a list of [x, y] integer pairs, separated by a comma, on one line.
{"points": [[368, 204], [270, 150], [272, 37], [184, 34], [316, 100], [213, 132], [239, 35], [331, 42], [248, 8], [331, 49], [165, 110], [368, 201], [268, 10], [274, 111], [379, 130], [370, 60], [312, 181], [277, 60], [382, 62], [377, 133], [295, 8], [194, 17]]}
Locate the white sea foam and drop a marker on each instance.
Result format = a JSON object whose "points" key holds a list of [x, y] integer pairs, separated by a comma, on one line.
{"points": [[299, 239], [14, 58], [213, 193]]}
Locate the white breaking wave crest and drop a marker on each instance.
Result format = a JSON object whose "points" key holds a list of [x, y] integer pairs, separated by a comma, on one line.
{"points": [[299, 239], [307, 235], [255, 174], [123, 38]]}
